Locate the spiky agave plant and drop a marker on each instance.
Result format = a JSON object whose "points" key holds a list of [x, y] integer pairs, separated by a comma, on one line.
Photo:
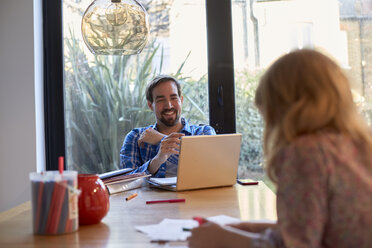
{"points": [[105, 99]]}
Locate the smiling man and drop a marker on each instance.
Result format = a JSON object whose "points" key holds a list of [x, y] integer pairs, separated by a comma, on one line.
{"points": [[154, 149]]}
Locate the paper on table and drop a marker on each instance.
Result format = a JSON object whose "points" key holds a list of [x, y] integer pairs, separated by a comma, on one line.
{"points": [[168, 230], [223, 219], [267, 221], [172, 229], [164, 181]]}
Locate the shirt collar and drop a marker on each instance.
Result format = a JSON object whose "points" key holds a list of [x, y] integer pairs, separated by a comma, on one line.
{"points": [[186, 126]]}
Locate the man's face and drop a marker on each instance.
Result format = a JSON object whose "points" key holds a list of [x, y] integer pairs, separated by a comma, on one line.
{"points": [[167, 104]]}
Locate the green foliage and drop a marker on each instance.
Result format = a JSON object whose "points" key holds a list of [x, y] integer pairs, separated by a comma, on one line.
{"points": [[105, 99], [249, 123]]}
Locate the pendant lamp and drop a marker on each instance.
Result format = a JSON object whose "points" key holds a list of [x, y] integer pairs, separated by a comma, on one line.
{"points": [[115, 27]]}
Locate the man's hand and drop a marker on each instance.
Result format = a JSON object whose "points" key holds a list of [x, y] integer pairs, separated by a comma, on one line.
{"points": [[150, 136], [170, 145]]}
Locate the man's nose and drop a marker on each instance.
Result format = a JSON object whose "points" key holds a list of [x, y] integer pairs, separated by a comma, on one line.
{"points": [[168, 104]]}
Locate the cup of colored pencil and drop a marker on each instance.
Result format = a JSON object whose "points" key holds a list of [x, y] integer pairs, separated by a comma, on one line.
{"points": [[54, 198]]}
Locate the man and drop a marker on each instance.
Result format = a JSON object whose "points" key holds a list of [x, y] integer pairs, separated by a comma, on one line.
{"points": [[154, 149]]}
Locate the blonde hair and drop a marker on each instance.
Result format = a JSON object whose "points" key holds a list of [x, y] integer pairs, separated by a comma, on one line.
{"points": [[305, 92]]}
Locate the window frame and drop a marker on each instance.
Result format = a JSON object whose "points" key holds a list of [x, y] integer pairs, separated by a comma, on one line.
{"points": [[220, 74], [53, 83]]}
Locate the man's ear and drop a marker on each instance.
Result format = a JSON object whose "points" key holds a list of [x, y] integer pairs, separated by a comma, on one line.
{"points": [[181, 99], [150, 105]]}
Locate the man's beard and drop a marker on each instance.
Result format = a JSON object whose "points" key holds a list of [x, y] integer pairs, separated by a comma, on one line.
{"points": [[169, 122]]}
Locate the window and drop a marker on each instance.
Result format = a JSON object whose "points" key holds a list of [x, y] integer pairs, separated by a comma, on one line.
{"points": [[264, 30], [201, 33], [105, 95], [219, 77]]}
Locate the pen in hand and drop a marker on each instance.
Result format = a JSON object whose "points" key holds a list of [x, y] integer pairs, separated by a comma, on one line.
{"points": [[200, 221]]}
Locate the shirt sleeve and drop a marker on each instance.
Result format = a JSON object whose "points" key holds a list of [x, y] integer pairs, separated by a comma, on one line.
{"points": [[302, 196], [208, 130], [130, 156]]}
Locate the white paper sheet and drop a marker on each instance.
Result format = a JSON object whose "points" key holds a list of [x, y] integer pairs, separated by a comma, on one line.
{"points": [[168, 230], [223, 219], [172, 229]]}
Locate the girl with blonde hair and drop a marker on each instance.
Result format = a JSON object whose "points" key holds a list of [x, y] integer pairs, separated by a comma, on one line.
{"points": [[318, 151]]}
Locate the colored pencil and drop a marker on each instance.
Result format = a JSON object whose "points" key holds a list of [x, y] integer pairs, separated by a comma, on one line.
{"points": [[166, 201]]}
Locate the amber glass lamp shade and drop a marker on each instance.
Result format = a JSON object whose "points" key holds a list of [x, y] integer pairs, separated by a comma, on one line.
{"points": [[115, 27]]}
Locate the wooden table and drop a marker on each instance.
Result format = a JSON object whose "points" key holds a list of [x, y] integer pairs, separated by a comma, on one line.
{"points": [[117, 228]]}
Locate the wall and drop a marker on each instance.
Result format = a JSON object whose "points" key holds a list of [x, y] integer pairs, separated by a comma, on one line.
{"points": [[17, 102]]}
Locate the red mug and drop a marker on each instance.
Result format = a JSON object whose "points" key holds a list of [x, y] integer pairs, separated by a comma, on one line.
{"points": [[93, 199]]}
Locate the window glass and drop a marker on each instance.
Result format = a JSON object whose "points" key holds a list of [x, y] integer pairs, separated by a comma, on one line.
{"points": [[105, 95], [263, 30]]}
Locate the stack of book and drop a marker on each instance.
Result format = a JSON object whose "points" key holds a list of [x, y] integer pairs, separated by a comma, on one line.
{"points": [[122, 180]]}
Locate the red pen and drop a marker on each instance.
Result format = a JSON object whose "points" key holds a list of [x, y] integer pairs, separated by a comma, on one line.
{"points": [[200, 220], [166, 201]]}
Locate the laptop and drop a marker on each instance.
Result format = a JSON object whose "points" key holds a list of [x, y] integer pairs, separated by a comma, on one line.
{"points": [[205, 161]]}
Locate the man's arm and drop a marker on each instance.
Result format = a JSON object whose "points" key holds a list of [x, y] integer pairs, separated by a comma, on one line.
{"points": [[150, 136], [168, 146], [208, 130], [153, 137], [130, 156]]}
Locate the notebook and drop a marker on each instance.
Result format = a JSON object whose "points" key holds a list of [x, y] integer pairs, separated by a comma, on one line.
{"points": [[205, 161]]}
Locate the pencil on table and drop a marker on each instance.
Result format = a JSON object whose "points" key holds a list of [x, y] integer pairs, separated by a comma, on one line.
{"points": [[131, 196]]}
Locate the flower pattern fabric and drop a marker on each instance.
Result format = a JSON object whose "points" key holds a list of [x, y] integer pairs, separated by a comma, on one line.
{"points": [[324, 195]]}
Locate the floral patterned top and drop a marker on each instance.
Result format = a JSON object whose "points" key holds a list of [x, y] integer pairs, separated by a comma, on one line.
{"points": [[324, 196]]}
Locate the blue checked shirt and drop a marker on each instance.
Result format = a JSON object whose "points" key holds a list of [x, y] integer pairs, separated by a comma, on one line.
{"points": [[139, 158]]}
